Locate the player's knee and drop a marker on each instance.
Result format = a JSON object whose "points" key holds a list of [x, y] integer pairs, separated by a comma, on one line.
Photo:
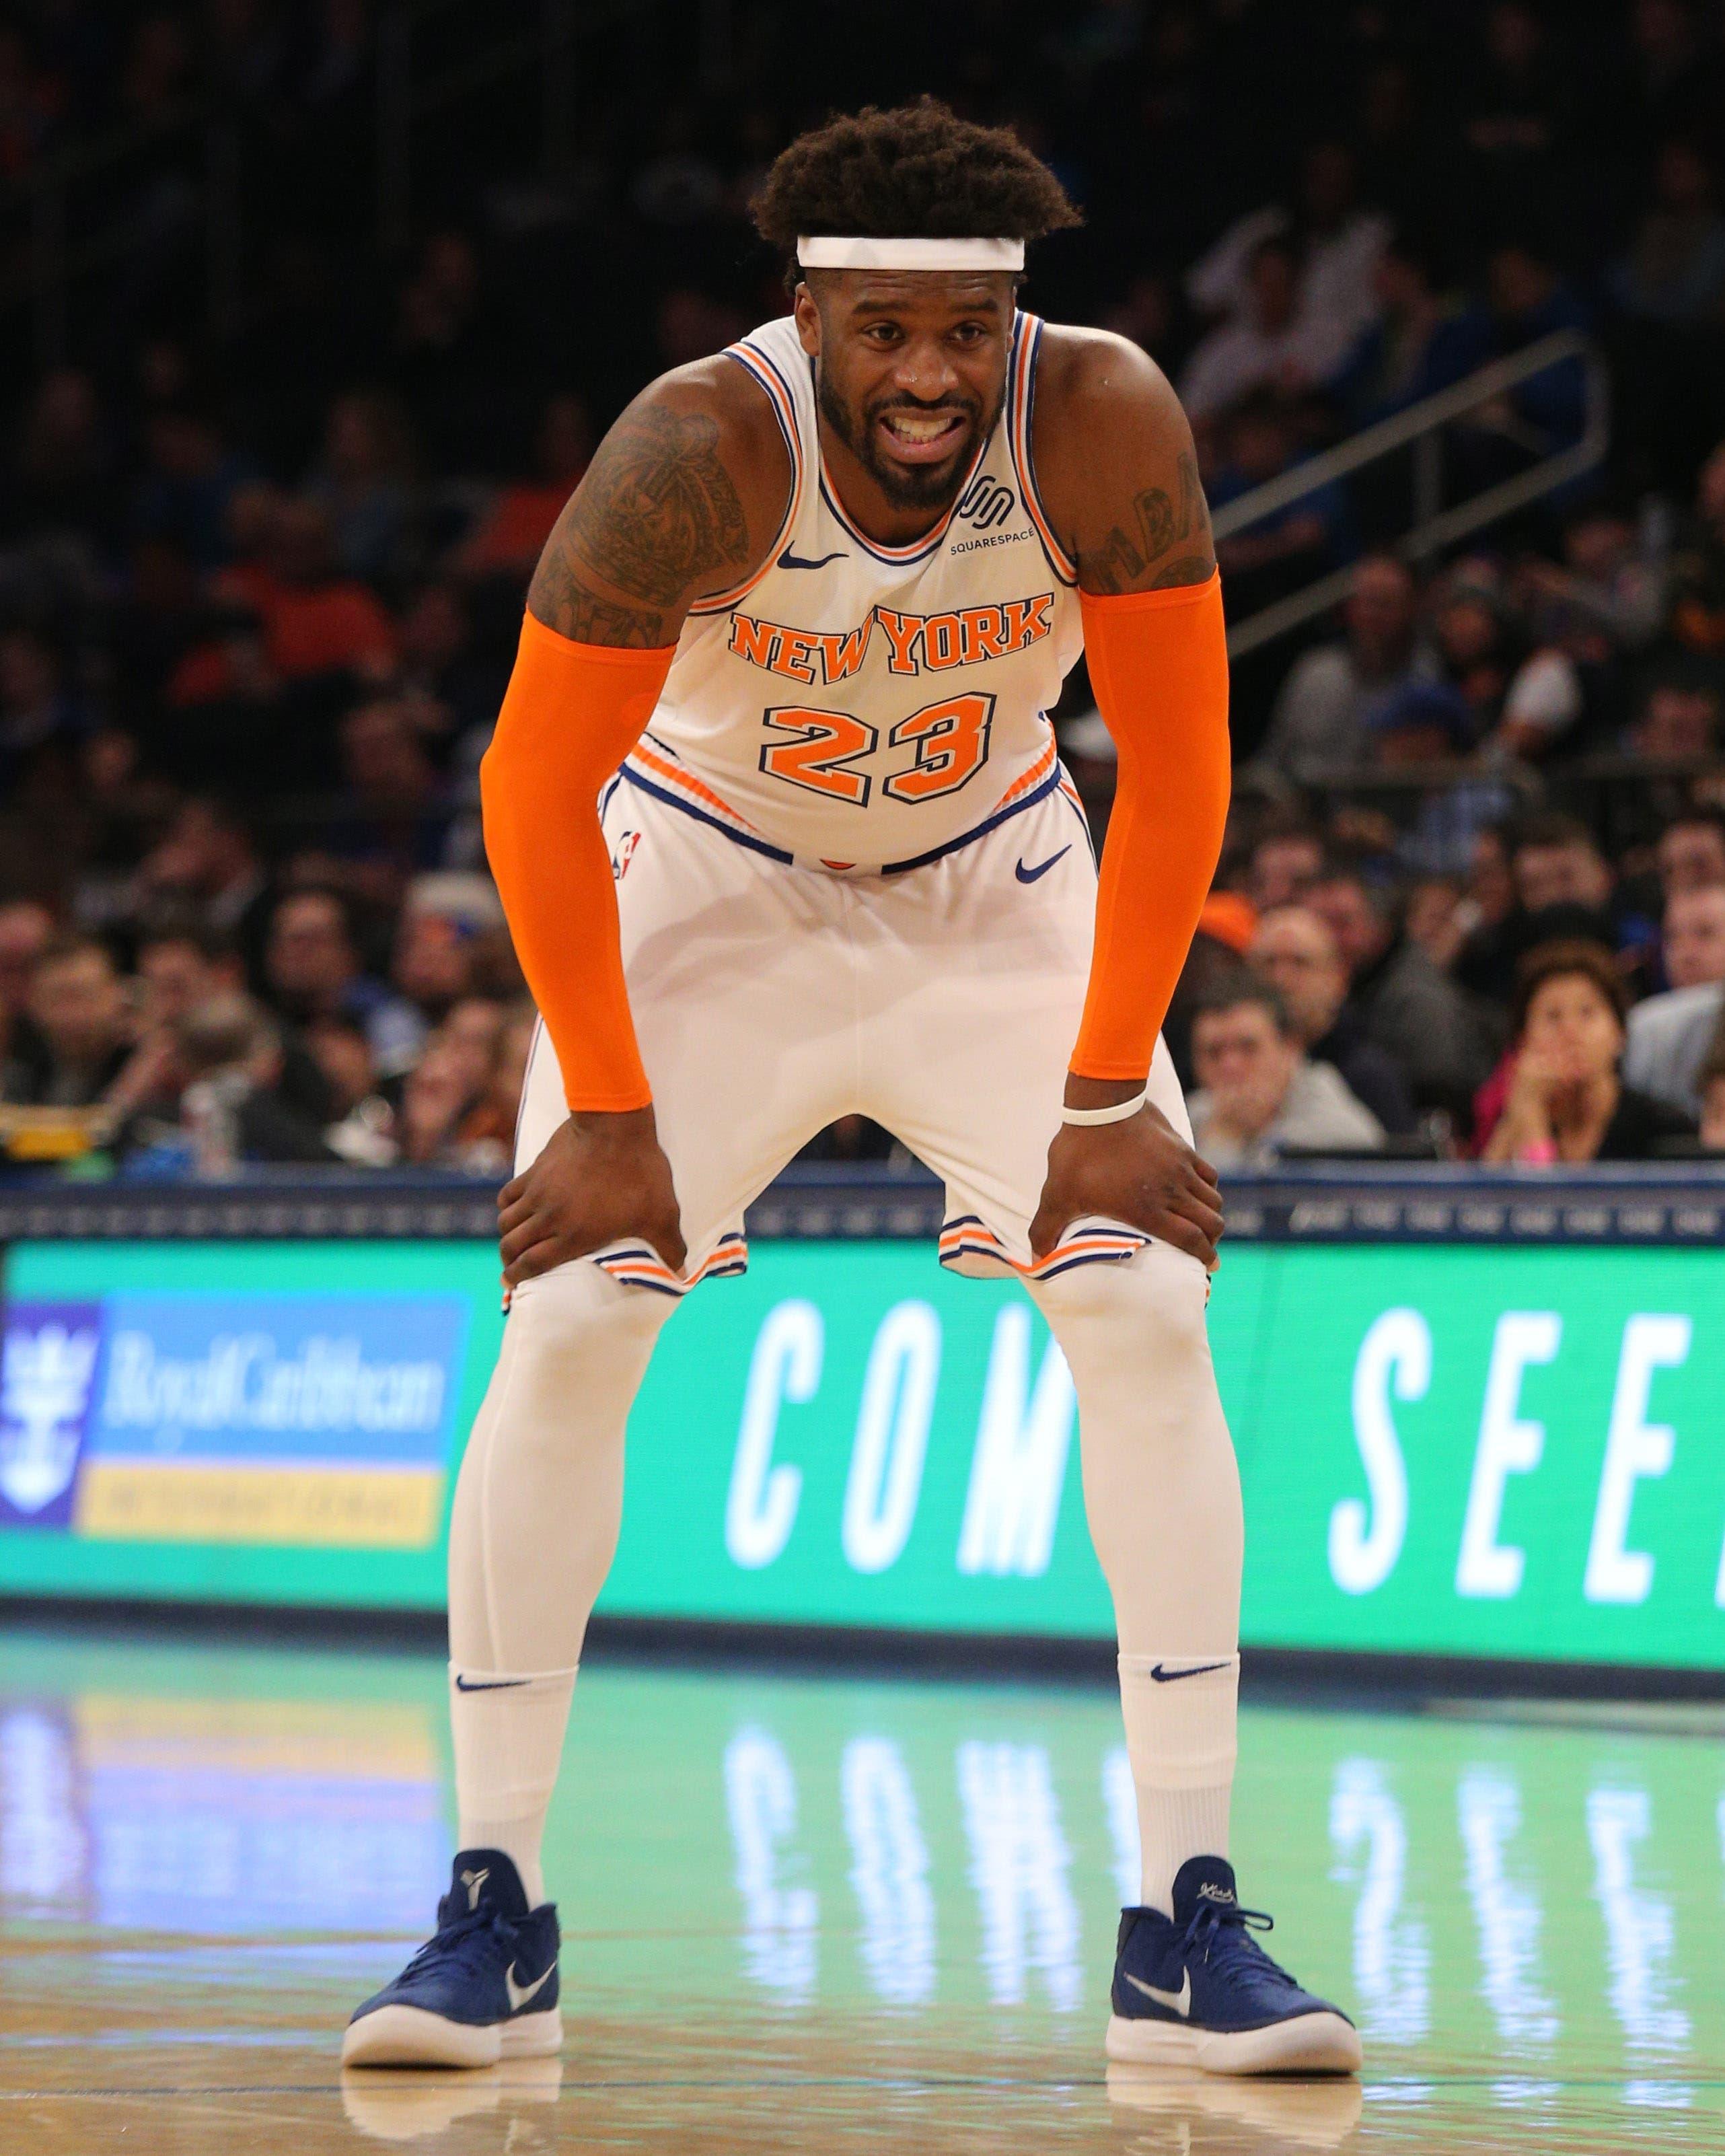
{"points": [[1157, 1296], [573, 1336]]}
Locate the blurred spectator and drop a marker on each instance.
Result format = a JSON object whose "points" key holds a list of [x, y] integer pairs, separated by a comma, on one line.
{"points": [[189, 478], [1322, 716], [435, 1101], [1259, 1097], [313, 621], [508, 537], [1675, 269], [1295, 952], [1292, 545], [1263, 346], [208, 859], [41, 722], [1440, 1042], [1331, 250], [1690, 852], [362, 482], [314, 971], [1286, 859], [26, 930], [1566, 1102], [1420, 342], [234, 1106], [1669, 1036], [180, 964], [62, 479], [1698, 567], [81, 1038], [1713, 1096]]}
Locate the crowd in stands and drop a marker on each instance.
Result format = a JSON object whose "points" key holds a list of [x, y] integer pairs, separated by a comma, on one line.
{"points": [[261, 577]]}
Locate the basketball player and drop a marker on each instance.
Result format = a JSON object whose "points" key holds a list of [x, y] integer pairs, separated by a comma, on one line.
{"points": [[795, 635]]}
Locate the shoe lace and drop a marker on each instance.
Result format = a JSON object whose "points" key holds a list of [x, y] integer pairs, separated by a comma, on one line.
{"points": [[1218, 1929], [463, 1941]]}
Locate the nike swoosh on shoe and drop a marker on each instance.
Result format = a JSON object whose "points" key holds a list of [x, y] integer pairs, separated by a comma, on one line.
{"points": [[1178, 2002], [520, 1993]]}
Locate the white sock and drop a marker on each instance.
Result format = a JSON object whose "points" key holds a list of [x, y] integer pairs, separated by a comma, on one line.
{"points": [[1180, 1736], [508, 1729]]}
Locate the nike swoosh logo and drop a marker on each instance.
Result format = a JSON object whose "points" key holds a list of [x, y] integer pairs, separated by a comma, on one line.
{"points": [[520, 1993], [787, 560], [499, 1684], [1041, 869], [1179, 2002], [1169, 1676]]}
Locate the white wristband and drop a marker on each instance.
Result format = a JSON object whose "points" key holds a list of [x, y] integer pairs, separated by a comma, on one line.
{"points": [[1117, 1114]]}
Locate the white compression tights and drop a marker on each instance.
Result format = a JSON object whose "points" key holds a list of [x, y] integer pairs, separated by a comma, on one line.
{"points": [[540, 1498]]}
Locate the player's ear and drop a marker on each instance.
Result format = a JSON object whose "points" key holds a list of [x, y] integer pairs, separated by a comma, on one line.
{"points": [[806, 317]]}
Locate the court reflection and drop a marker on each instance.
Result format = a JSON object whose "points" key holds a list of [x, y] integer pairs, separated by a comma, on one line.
{"points": [[851, 1885]]}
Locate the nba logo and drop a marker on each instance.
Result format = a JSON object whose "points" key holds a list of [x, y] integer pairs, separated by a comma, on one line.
{"points": [[46, 1375]]}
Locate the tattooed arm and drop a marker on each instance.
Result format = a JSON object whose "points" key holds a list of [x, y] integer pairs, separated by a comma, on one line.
{"points": [[682, 499], [1116, 467]]}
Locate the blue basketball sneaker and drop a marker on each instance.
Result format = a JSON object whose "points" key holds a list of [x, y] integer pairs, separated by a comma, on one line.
{"points": [[1197, 1990], [483, 1987]]}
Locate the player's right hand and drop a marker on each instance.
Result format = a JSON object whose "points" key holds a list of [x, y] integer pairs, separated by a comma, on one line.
{"points": [[602, 1178]]}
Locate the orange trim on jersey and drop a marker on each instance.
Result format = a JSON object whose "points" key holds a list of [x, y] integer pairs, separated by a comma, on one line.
{"points": [[1023, 412], [1034, 777], [784, 410], [972, 1238], [656, 761]]}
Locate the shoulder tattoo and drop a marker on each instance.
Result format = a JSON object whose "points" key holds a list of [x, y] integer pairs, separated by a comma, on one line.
{"points": [[656, 513], [1168, 542]]}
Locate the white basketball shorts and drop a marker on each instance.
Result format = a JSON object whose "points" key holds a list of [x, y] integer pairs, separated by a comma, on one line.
{"points": [[770, 999]]}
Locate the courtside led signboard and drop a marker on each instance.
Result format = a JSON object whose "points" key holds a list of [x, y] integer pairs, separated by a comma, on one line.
{"points": [[1513, 1452]]}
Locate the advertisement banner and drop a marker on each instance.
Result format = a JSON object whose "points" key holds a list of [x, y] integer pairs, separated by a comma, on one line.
{"points": [[1445, 1449]]}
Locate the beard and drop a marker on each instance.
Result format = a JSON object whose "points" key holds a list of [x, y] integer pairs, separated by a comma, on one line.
{"points": [[907, 486]]}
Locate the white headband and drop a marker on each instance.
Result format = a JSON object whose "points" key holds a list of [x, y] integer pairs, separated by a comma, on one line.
{"points": [[824, 252]]}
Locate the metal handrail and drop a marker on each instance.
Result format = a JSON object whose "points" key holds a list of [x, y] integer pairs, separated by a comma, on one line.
{"points": [[1420, 425]]}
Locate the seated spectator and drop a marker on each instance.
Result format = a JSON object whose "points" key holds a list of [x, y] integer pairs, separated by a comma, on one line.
{"points": [[508, 537], [363, 482], [1286, 858], [1440, 1040], [1562, 889], [1670, 1036], [42, 722], [1674, 270], [1566, 1102], [26, 930], [1265, 344], [1698, 567], [1331, 245], [1691, 851], [1258, 1096], [1419, 344], [1295, 952], [234, 1107], [1321, 718], [1292, 545], [313, 969], [313, 621], [80, 1041], [1712, 1097], [180, 963], [208, 859], [188, 480], [431, 967], [435, 1101], [1602, 597]]}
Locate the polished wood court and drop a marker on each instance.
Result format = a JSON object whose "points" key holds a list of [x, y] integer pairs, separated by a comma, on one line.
{"points": [[820, 1913]]}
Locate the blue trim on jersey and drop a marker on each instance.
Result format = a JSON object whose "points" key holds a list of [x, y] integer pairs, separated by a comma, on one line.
{"points": [[1066, 572], [743, 838], [979, 830]]}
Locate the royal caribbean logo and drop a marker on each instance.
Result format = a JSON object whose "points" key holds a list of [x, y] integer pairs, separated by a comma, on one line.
{"points": [[47, 1361]]}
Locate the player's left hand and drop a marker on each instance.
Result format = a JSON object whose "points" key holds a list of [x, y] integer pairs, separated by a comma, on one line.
{"points": [[1139, 1172]]}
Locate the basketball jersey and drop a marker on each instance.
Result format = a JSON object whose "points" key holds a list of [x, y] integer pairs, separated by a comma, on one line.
{"points": [[859, 706]]}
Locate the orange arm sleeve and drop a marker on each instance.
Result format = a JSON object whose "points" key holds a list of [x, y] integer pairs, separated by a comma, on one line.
{"points": [[571, 712], [1159, 664]]}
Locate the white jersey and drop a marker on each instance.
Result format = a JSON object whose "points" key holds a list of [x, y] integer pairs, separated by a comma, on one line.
{"points": [[862, 707]]}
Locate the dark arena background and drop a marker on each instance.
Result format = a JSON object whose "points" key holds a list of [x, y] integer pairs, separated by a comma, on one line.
{"points": [[311, 312]]}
